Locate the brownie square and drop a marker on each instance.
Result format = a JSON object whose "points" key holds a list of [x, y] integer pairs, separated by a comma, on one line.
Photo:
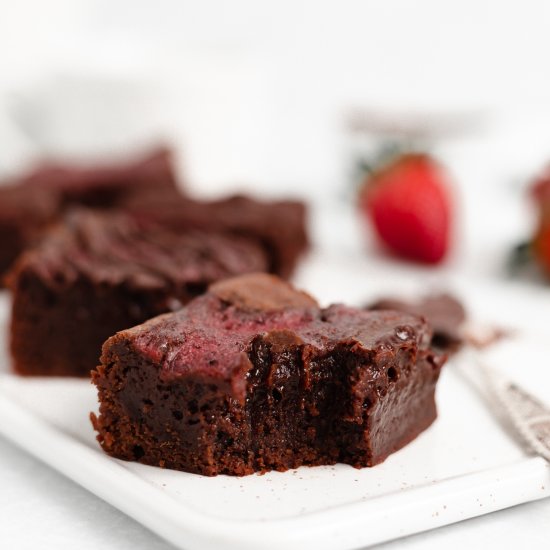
{"points": [[255, 376], [279, 226], [95, 274]]}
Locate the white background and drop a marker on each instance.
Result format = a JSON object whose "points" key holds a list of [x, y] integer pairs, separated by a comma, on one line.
{"points": [[256, 95], [257, 91]]}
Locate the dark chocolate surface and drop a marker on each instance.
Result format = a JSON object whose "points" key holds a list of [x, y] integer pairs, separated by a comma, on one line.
{"points": [[443, 311], [279, 226], [210, 334], [105, 185], [16, 202], [112, 249]]}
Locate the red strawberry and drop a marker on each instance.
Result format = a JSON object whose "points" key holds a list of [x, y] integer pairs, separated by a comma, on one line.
{"points": [[541, 247], [409, 207], [540, 190]]}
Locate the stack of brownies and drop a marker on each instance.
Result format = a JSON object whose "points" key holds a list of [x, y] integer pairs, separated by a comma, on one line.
{"points": [[88, 252]]}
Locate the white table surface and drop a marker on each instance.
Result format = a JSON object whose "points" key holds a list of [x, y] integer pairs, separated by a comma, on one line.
{"points": [[40, 509]]}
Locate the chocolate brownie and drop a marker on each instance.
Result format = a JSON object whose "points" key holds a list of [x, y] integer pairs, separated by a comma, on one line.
{"points": [[104, 185], [23, 216], [443, 311], [255, 376], [96, 274], [280, 226]]}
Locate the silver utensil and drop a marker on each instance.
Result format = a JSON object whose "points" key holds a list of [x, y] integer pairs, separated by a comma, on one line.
{"points": [[528, 418]]}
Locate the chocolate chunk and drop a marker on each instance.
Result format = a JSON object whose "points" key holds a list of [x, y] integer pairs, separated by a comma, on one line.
{"points": [[261, 292], [443, 311]]}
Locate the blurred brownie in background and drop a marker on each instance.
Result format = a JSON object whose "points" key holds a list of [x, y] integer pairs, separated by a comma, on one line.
{"points": [[97, 273], [23, 216], [37, 198], [279, 226], [105, 185], [444, 312]]}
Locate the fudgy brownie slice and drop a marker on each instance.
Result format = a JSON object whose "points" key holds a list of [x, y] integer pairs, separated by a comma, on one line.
{"points": [[96, 274], [280, 226], [23, 216], [443, 311], [254, 376], [106, 185]]}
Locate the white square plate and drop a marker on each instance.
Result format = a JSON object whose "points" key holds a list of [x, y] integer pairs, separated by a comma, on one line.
{"points": [[465, 465]]}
